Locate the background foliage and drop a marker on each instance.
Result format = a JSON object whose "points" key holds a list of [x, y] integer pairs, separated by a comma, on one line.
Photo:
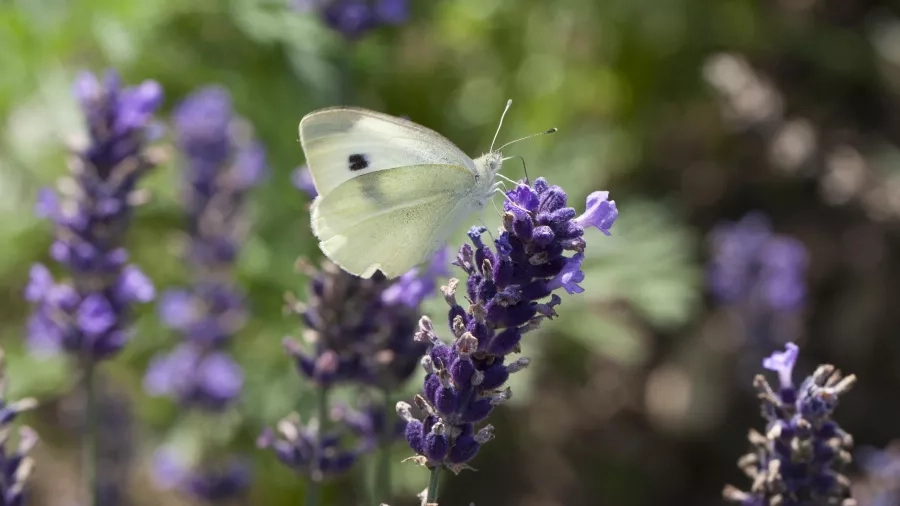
{"points": [[688, 111]]}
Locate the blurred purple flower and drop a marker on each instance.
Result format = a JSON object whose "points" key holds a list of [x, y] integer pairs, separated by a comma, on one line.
{"points": [[797, 461], [416, 285], [15, 464], [760, 277], [302, 179], [510, 290], [205, 482], [304, 450], [881, 485], [751, 263], [355, 18], [209, 380], [89, 315], [221, 164]]}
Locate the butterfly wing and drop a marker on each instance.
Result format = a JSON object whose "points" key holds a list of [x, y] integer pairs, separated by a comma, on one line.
{"points": [[392, 220], [342, 143]]}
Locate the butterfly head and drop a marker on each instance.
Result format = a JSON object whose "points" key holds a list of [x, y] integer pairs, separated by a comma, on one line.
{"points": [[492, 162]]}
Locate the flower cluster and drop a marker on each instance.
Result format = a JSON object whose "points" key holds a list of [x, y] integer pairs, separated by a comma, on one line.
{"points": [[510, 290], [221, 164], [15, 465], [798, 459], [880, 484], [355, 18], [757, 272], [359, 328], [199, 372], [319, 454], [217, 482], [89, 316]]}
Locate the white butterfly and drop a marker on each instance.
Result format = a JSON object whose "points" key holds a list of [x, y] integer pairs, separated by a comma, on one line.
{"points": [[390, 192]]}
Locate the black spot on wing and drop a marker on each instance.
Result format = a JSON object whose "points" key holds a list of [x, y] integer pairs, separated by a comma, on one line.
{"points": [[358, 162]]}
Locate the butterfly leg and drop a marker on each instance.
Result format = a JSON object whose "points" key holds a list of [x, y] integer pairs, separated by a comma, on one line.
{"points": [[501, 176]]}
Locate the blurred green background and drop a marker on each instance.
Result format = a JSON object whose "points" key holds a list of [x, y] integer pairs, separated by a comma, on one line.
{"points": [[688, 111]]}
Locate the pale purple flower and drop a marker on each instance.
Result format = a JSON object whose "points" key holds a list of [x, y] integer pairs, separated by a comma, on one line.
{"points": [[600, 212], [177, 309], [570, 276], [783, 362]]}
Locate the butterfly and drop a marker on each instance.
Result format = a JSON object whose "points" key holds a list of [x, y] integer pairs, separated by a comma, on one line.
{"points": [[390, 191]]}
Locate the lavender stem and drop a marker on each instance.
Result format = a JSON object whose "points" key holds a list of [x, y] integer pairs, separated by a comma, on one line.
{"points": [[313, 490], [89, 450], [433, 480], [383, 476]]}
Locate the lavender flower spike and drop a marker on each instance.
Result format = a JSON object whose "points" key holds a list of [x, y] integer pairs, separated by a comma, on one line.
{"points": [[511, 289], [355, 18], [797, 461], [359, 328], [15, 465], [89, 316], [221, 164]]}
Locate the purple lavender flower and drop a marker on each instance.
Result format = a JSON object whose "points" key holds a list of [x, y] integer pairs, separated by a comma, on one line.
{"points": [[15, 465], [797, 461], [221, 164], [318, 454], [89, 315], [302, 179], [207, 380], [759, 277], [414, 286], [359, 331], [211, 483], [368, 423], [355, 18], [751, 265], [510, 290], [360, 328], [881, 483]]}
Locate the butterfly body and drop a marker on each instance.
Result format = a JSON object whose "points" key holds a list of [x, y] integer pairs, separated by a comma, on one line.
{"points": [[390, 192]]}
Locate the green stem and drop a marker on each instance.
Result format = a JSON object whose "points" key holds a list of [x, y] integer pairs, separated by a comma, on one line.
{"points": [[89, 448], [432, 496], [314, 487], [383, 471]]}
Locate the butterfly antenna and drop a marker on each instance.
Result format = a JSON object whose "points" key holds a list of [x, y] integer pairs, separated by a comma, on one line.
{"points": [[524, 168], [551, 131], [505, 109]]}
